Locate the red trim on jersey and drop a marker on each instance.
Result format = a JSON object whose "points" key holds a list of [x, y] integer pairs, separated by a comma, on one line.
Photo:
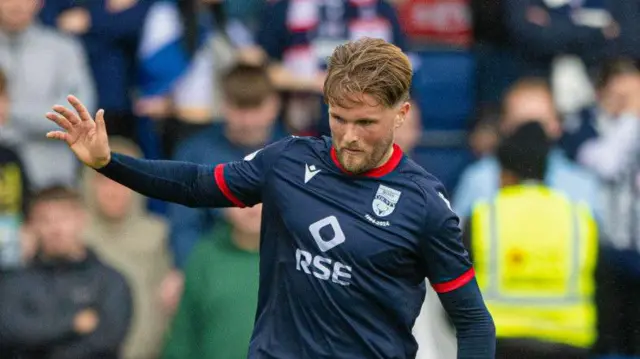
{"points": [[456, 283], [383, 170], [222, 184]]}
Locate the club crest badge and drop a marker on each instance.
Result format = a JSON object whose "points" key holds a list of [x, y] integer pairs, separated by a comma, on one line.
{"points": [[385, 201]]}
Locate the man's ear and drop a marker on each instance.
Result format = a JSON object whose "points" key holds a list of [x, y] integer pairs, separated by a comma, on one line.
{"points": [[403, 112]]}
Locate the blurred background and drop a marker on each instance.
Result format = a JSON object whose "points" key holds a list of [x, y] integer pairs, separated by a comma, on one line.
{"points": [[91, 270]]}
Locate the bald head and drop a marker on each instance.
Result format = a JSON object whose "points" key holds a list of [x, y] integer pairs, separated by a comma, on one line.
{"points": [[530, 100]]}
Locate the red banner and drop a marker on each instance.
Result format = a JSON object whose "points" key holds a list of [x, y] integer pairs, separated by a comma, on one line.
{"points": [[440, 21]]}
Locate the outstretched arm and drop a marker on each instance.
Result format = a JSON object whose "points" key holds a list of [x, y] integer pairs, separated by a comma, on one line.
{"points": [[232, 184], [185, 183], [180, 182]]}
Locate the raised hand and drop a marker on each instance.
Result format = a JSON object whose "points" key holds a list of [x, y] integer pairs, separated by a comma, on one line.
{"points": [[86, 138]]}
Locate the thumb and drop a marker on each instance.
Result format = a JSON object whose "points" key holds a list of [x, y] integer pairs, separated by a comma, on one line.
{"points": [[100, 124]]}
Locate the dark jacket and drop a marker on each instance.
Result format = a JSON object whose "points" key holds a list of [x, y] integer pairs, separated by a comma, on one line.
{"points": [[38, 306], [537, 46]]}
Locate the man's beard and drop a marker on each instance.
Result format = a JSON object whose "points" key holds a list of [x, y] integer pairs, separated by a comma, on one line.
{"points": [[365, 161]]}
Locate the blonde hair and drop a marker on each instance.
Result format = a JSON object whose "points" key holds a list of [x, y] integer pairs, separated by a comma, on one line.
{"points": [[367, 66]]}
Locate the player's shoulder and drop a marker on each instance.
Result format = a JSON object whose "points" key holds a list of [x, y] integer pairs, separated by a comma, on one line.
{"points": [[434, 193], [312, 141], [290, 147], [422, 178], [296, 145]]}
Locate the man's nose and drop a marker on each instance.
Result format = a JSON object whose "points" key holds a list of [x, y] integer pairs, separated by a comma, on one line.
{"points": [[350, 133]]}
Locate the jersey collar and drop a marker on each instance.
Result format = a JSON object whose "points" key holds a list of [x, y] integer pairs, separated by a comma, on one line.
{"points": [[383, 170]]}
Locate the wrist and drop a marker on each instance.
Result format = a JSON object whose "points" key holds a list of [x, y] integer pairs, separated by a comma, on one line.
{"points": [[103, 162]]}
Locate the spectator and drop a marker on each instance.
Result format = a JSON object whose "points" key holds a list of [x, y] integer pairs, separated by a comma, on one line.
{"points": [[251, 107], [298, 37], [535, 253], [527, 100], [614, 86], [541, 30], [68, 304], [607, 141], [176, 70], [562, 40], [14, 194], [133, 241], [179, 72], [43, 67], [109, 30], [216, 314]]}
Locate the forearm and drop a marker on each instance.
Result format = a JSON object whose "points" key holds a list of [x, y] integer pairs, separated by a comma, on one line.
{"points": [[33, 332], [184, 183], [115, 319], [20, 328], [474, 325]]}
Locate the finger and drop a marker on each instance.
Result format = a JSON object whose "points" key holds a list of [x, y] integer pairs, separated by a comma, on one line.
{"points": [[80, 108], [58, 135], [100, 124], [60, 121], [71, 116]]}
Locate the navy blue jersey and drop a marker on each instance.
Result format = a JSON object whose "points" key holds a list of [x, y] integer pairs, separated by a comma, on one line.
{"points": [[344, 257]]}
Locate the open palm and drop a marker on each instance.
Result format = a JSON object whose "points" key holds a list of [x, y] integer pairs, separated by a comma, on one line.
{"points": [[86, 138]]}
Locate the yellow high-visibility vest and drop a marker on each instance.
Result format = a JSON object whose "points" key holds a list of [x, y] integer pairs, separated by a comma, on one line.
{"points": [[535, 255]]}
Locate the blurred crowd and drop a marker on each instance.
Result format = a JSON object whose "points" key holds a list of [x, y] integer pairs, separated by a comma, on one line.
{"points": [[527, 110]]}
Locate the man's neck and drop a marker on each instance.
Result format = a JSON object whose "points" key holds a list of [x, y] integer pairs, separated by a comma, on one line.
{"points": [[249, 242], [386, 156]]}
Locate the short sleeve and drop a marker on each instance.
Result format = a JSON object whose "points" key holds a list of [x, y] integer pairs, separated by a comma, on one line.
{"points": [[447, 263], [242, 181]]}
